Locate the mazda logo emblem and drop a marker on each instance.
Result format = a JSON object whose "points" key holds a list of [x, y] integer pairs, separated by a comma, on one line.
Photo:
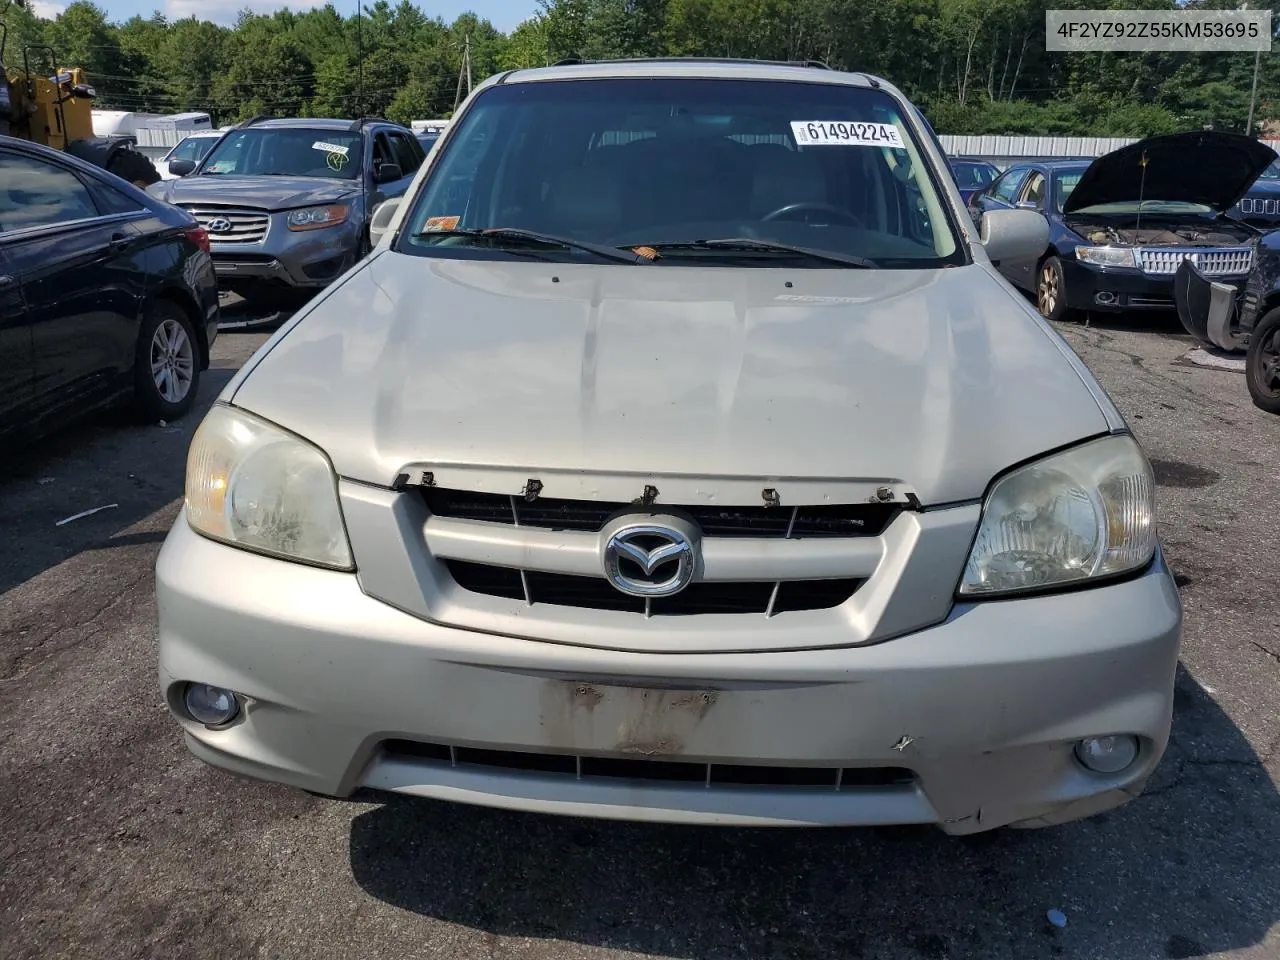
{"points": [[219, 225], [650, 557]]}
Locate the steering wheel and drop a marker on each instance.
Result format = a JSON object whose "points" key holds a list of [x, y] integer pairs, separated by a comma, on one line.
{"points": [[815, 206]]}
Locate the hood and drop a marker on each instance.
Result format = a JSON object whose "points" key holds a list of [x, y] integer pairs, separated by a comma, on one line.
{"points": [[934, 379], [1214, 169], [269, 193]]}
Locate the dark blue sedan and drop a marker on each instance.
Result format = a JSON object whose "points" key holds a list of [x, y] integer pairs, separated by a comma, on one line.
{"points": [[1120, 227]]}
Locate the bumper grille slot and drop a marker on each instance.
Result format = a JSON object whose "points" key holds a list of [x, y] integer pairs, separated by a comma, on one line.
{"points": [[698, 598], [572, 766], [839, 520]]}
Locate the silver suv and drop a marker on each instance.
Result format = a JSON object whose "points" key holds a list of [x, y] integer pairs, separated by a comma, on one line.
{"points": [[286, 203], [677, 455]]}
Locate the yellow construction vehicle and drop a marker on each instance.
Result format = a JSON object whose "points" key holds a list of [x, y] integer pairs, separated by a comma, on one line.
{"points": [[56, 110]]}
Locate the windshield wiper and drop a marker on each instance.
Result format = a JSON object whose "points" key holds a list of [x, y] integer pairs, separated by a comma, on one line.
{"points": [[748, 244], [514, 234]]}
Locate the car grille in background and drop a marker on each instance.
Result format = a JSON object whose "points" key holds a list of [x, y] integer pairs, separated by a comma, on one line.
{"points": [[246, 226], [1164, 261], [704, 597], [651, 770], [1261, 206]]}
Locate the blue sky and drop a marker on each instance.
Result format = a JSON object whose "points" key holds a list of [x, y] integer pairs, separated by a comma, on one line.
{"points": [[503, 14]]}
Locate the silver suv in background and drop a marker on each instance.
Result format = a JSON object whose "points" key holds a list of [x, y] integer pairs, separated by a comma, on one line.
{"points": [[286, 203], [677, 455]]}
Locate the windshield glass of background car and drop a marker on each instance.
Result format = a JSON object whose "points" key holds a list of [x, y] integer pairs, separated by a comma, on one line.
{"points": [[973, 176], [192, 148], [623, 162], [1272, 172], [331, 154]]}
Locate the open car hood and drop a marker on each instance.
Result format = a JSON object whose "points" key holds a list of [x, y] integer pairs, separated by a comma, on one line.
{"points": [[1211, 168]]}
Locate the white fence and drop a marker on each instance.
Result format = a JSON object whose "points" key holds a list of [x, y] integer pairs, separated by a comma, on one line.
{"points": [[1083, 148]]}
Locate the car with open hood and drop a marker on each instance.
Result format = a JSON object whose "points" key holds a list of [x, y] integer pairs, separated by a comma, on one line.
{"points": [[286, 203], [1120, 226], [677, 454]]}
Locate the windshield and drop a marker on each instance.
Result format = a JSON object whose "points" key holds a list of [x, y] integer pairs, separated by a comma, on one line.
{"points": [[192, 148], [1272, 172], [1129, 207], [973, 176], [291, 152], [671, 162]]}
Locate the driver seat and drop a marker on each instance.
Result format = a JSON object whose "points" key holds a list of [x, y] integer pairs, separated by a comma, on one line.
{"points": [[783, 177]]}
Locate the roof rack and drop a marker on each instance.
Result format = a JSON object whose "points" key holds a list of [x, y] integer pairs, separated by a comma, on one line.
{"points": [[357, 125], [256, 120], [812, 64]]}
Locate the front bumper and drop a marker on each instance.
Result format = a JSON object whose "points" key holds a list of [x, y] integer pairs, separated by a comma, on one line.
{"points": [[981, 710], [301, 259], [1122, 288]]}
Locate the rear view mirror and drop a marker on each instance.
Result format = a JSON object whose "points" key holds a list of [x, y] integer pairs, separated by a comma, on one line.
{"points": [[1014, 234], [387, 173], [180, 168], [380, 222]]}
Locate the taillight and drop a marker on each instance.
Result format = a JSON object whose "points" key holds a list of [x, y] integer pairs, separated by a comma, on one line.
{"points": [[200, 237]]}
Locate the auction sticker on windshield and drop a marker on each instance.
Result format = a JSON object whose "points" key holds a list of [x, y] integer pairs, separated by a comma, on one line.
{"points": [[836, 133], [329, 148]]}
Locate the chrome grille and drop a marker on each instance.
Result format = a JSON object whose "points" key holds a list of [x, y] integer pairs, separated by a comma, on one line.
{"points": [[1220, 262], [765, 596], [245, 225], [1261, 206]]}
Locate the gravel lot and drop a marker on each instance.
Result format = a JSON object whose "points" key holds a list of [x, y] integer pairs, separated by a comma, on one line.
{"points": [[115, 843]]}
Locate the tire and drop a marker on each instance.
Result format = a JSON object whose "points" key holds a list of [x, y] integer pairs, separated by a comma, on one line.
{"points": [[134, 167], [167, 341], [1262, 363], [1051, 289]]}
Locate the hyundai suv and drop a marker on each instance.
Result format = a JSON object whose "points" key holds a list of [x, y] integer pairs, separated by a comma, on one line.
{"points": [[286, 203], [677, 455]]}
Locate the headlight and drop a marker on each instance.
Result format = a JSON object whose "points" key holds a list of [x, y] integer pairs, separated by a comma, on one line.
{"points": [[1087, 512], [252, 485], [314, 218], [1107, 256]]}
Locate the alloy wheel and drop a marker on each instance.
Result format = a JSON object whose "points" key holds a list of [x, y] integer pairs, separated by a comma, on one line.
{"points": [[1269, 363], [1047, 290], [172, 361]]}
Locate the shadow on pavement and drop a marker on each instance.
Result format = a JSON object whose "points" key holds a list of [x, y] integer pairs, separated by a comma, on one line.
{"points": [[109, 459], [1189, 869]]}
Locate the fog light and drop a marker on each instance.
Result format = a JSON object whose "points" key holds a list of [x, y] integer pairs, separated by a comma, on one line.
{"points": [[211, 706], [1107, 754], [1104, 296]]}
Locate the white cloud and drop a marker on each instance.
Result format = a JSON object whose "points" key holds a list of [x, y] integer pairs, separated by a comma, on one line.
{"points": [[45, 9], [224, 12]]}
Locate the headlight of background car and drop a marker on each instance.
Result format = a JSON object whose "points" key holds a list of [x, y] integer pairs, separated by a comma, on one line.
{"points": [[1084, 513], [252, 485], [314, 218], [1107, 256]]}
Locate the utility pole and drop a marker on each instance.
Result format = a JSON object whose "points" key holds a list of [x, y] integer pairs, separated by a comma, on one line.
{"points": [[464, 70], [359, 61], [1253, 95]]}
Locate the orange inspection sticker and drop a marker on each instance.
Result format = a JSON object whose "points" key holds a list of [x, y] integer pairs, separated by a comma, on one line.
{"points": [[437, 224]]}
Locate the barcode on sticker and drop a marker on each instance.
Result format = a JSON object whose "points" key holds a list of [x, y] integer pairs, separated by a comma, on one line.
{"points": [[329, 147], [826, 133]]}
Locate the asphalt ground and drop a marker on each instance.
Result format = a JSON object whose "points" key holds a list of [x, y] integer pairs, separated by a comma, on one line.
{"points": [[115, 843]]}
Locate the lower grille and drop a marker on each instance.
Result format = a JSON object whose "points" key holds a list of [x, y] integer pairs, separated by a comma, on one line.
{"points": [[654, 771], [1164, 261], [234, 224], [595, 593]]}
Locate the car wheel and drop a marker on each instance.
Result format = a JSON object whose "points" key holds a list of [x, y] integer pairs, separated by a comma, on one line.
{"points": [[1051, 290], [1262, 363], [167, 366]]}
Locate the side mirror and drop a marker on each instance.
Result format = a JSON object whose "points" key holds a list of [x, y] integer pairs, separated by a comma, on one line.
{"points": [[387, 173], [380, 222], [1014, 234], [180, 168]]}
